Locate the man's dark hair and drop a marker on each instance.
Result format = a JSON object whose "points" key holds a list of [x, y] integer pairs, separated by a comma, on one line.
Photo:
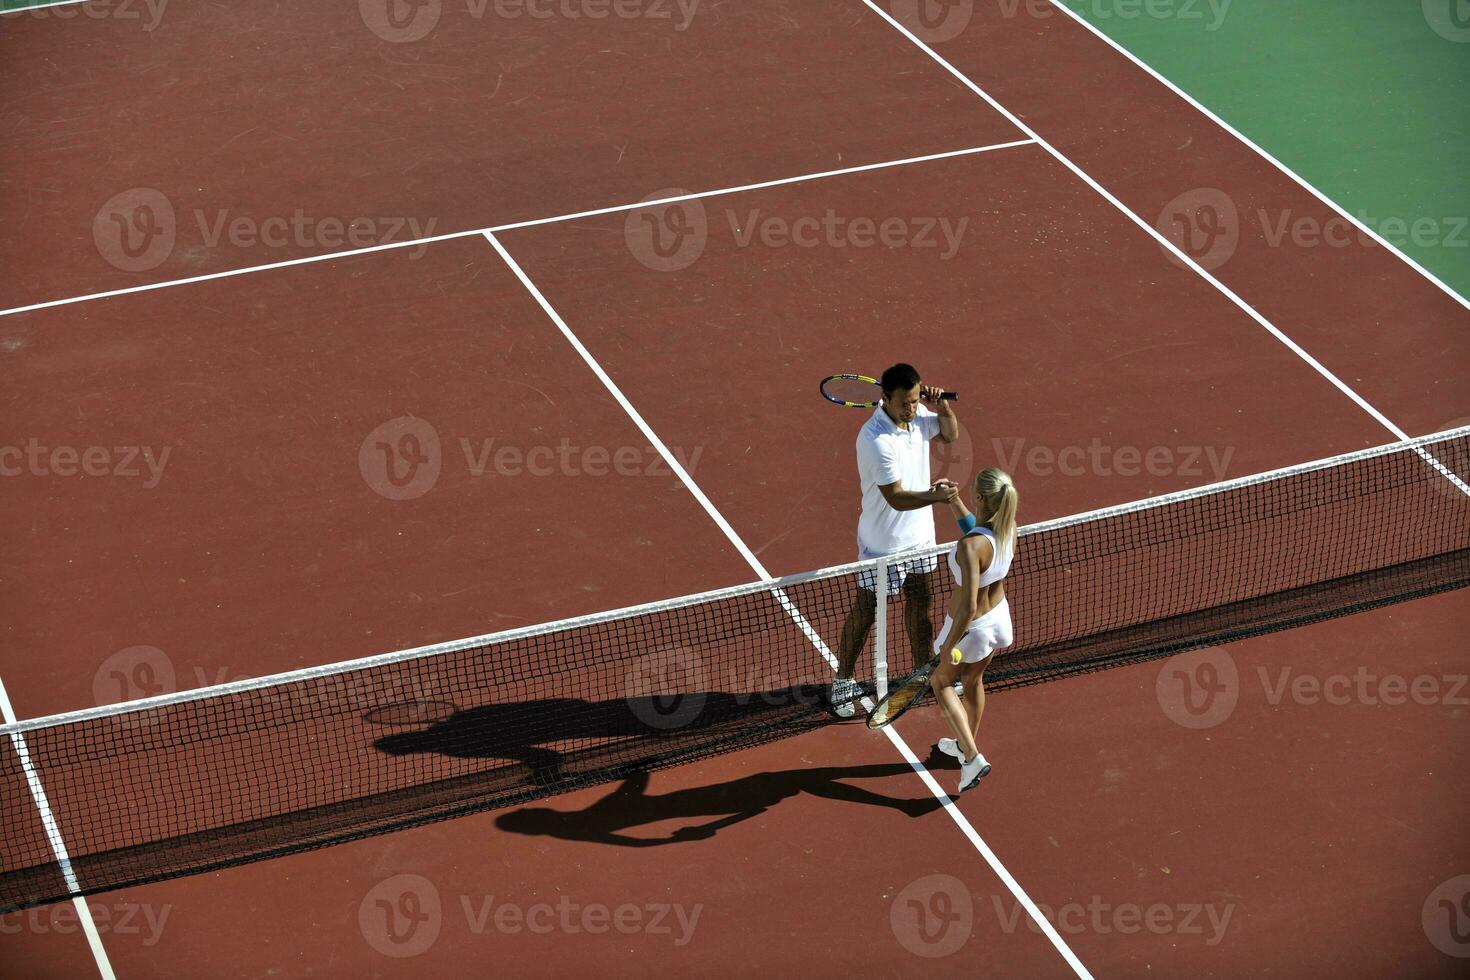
{"points": [[900, 376]]}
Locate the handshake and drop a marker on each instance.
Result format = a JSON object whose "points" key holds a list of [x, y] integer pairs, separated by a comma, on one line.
{"points": [[943, 492]]}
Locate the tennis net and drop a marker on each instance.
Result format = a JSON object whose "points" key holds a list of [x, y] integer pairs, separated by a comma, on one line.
{"points": [[182, 783]]}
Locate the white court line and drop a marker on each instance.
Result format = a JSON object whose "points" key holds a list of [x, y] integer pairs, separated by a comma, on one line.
{"points": [[724, 525], [53, 836], [41, 6], [573, 216], [1449, 291], [1153, 232], [622, 400], [1178, 253]]}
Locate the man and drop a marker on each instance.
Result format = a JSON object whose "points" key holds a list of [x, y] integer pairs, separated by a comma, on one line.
{"points": [[893, 469]]}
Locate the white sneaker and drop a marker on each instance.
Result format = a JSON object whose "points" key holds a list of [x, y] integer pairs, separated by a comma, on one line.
{"points": [[951, 748], [959, 688], [844, 690], [973, 771]]}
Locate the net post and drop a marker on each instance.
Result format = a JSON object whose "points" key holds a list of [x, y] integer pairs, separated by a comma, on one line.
{"points": [[880, 623]]}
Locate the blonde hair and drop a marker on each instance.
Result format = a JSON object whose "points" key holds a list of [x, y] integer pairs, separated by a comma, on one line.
{"points": [[995, 487]]}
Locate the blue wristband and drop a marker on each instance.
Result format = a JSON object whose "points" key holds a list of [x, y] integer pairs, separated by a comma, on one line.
{"points": [[966, 523]]}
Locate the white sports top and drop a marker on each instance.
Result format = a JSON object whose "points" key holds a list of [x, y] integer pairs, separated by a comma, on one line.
{"points": [[887, 454], [1000, 564]]}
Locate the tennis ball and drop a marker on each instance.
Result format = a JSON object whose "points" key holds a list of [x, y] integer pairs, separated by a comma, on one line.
{"points": [[957, 656]]}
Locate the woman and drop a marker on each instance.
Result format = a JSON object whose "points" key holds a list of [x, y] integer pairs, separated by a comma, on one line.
{"points": [[979, 620]]}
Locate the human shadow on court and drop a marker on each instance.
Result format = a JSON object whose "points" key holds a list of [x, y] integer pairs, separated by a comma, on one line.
{"points": [[559, 743], [556, 745], [630, 806]]}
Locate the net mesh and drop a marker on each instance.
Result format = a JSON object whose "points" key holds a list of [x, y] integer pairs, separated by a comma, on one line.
{"points": [[212, 778]]}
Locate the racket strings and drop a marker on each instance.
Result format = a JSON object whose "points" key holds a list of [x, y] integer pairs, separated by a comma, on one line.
{"points": [[901, 698], [852, 391]]}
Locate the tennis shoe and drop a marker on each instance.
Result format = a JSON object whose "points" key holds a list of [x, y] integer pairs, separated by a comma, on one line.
{"points": [[844, 690], [951, 748], [973, 771]]}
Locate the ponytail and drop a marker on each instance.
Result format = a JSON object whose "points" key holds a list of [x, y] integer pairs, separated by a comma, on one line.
{"points": [[995, 487]]}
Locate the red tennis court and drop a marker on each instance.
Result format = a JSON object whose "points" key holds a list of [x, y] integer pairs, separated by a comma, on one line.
{"points": [[259, 242]]}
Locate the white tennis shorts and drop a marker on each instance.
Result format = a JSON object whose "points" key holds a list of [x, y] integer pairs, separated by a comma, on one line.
{"points": [[897, 571], [989, 632]]}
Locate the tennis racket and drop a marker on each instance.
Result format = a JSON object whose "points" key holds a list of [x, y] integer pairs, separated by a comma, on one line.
{"points": [[860, 391], [903, 697]]}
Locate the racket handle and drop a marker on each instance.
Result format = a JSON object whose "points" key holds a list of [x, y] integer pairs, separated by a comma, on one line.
{"points": [[949, 396]]}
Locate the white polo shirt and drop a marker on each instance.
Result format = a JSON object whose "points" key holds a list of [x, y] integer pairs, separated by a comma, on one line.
{"points": [[887, 454]]}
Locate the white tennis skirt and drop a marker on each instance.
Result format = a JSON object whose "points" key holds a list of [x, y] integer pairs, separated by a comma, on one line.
{"points": [[987, 633]]}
